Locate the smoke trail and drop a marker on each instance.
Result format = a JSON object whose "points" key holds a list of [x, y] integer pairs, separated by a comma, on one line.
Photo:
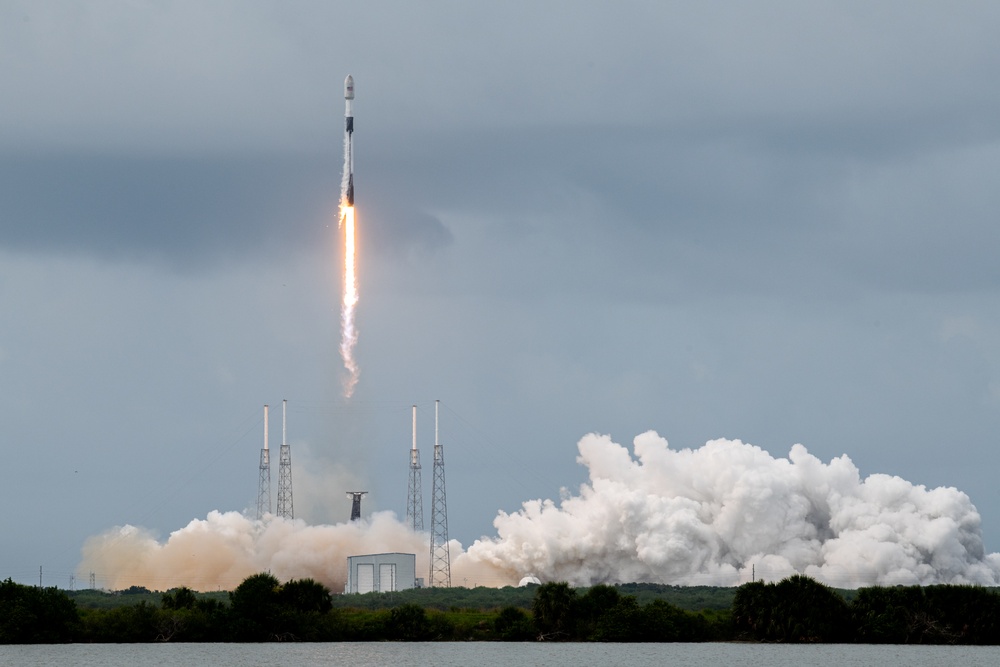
{"points": [[715, 514], [349, 334]]}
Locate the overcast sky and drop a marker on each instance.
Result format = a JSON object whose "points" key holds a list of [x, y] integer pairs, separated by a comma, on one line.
{"points": [[769, 221]]}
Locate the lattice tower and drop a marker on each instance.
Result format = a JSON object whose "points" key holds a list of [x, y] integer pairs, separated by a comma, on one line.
{"points": [[285, 506], [264, 486], [415, 495], [440, 574]]}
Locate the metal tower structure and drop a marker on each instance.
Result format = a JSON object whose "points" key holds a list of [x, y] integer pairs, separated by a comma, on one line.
{"points": [[355, 497], [440, 574], [264, 487], [415, 497], [285, 509]]}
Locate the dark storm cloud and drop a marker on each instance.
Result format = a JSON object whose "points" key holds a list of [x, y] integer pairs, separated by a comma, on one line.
{"points": [[186, 211], [724, 134], [749, 203], [740, 207]]}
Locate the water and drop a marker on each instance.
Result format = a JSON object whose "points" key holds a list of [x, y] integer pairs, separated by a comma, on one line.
{"points": [[484, 654]]}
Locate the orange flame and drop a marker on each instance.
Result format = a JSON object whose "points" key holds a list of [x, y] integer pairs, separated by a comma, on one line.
{"points": [[349, 333]]}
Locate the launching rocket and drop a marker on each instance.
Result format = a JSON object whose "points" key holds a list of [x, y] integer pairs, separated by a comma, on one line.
{"points": [[349, 129], [350, 333]]}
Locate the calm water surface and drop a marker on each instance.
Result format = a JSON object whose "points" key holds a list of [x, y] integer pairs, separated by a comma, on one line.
{"points": [[484, 654]]}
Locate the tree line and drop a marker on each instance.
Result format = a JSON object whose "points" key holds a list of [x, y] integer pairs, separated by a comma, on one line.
{"points": [[799, 609], [261, 608]]}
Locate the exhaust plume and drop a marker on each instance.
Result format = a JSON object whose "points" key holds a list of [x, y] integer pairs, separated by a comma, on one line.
{"points": [[220, 551], [729, 511], [225, 548], [349, 334], [719, 515]]}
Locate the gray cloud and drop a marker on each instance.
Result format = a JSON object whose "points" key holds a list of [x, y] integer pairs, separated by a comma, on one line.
{"points": [[189, 211], [181, 210]]}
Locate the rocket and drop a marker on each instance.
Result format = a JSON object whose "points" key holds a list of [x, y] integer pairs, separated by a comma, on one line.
{"points": [[349, 129]]}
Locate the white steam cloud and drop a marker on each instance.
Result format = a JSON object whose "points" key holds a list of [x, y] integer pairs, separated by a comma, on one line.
{"points": [[728, 511], [717, 515]]}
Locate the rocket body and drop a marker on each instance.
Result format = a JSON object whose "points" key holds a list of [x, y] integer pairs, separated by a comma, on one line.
{"points": [[349, 130]]}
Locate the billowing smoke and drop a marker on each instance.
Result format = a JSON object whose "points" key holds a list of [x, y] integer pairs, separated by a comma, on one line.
{"points": [[220, 551], [718, 515], [223, 549], [728, 511]]}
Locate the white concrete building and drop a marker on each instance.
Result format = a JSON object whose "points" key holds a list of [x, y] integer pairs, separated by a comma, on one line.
{"points": [[382, 573]]}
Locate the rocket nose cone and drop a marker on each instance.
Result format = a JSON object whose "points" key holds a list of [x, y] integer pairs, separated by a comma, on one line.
{"points": [[349, 87]]}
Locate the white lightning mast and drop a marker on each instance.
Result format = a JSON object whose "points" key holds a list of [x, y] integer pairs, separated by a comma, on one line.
{"points": [[440, 574], [415, 497], [264, 487], [285, 507]]}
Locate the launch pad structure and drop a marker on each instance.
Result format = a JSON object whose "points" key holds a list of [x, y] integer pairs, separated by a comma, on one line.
{"points": [[285, 504], [285, 508], [356, 497], [264, 484], [440, 570], [440, 556], [415, 493]]}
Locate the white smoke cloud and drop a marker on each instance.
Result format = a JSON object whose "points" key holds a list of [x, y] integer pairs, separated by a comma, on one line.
{"points": [[728, 511], [717, 515]]}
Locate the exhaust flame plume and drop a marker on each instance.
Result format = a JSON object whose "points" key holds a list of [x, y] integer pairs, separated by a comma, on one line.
{"points": [[349, 336]]}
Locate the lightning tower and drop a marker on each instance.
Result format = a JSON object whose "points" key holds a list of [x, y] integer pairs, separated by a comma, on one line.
{"points": [[415, 497], [285, 509], [264, 488], [440, 574]]}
